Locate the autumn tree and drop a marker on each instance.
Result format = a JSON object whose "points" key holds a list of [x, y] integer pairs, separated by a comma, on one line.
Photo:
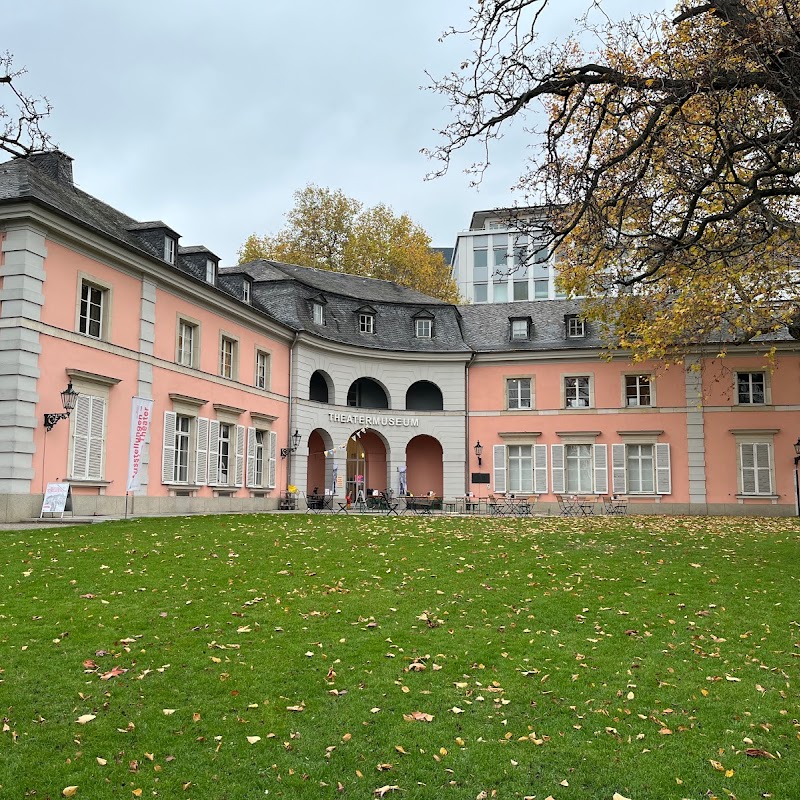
{"points": [[328, 230], [20, 121], [666, 154]]}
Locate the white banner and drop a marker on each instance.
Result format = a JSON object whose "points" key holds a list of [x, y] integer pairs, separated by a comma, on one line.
{"points": [[141, 410]]}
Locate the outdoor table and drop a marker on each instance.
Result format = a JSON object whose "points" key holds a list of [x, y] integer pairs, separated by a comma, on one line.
{"points": [[319, 502], [616, 505], [421, 505], [586, 505]]}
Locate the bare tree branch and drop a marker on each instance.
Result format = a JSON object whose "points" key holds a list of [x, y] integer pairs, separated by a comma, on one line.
{"points": [[20, 125]]}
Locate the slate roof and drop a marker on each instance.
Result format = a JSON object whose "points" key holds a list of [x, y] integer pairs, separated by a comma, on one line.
{"points": [[487, 328], [286, 292]]}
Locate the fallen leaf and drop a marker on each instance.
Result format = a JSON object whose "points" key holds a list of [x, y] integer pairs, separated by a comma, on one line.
{"points": [[717, 766], [113, 673], [137, 792], [167, 712], [101, 761], [383, 790], [301, 707], [383, 767], [69, 791], [400, 749], [757, 752], [84, 718], [618, 796], [253, 739], [457, 710], [419, 716]]}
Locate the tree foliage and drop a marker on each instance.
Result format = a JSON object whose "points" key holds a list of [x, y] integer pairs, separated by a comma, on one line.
{"points": [[666, 155], [20, 122], [328, 230]]}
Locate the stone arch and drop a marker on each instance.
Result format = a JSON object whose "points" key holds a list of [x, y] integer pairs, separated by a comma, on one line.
{"points": [[424, 396], [367, 393], [424, 466], [320, 387]]}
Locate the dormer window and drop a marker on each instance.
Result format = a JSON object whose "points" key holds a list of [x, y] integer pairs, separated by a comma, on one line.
{"points": [[366, 319], [576, 327], [366, 323], [211, 271], [246, 291], [318, 313], [170, 249], [423, 328], [520, 329]]}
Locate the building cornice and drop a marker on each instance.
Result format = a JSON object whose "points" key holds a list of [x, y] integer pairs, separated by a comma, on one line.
{"points": [[313, 342]]}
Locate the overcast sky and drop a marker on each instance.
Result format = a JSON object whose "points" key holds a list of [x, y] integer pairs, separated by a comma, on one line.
{"points": [[209, 115]]}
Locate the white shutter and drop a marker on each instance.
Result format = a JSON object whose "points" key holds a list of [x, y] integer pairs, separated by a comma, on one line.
{"points": [[600, 453], [663, 471], [748, 462], [273, 467], [619, 482], [80, 436], [499, 454], [762, 468], [557, 458], [239, 468], [97, 425], [213, 452], [168, 448], [201, 452], [251, 457], [540, 469]]}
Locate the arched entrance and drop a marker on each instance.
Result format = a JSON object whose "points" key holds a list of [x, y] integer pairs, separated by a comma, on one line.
{"points": [[424, 471], [319, 465], [366, 469]]}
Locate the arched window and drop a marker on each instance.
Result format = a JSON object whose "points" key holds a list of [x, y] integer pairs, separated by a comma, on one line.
{"points": [[318, 388], [424, 396], [367, 393]]}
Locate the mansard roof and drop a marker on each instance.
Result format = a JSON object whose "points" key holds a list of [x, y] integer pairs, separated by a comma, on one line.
{"points": [[486, 326], [286, 291]]}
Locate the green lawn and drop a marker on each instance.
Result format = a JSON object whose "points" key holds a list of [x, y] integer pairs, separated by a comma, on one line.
{"points": [[316, 656]]}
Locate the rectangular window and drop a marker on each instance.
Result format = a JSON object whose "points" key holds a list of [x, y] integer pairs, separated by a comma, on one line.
{"points": [[540, 290], [500, 293], [576, 392], [262, 370], [575, 328], [640, 466], [755, 464], [520, 255], [170, 249], [319, 314], [519, 328], [181, 466], [211, 271], [541, 255], [751, 388], [224, 456], [227, 357], [519, 393], [481, 292], [480, 252], [500, 256], [520, 468], [246, 291], [578, 468], [423, 328], [521, 290], [637, 390], [90, 320], [366, 323], [258, 471], [186, 343]]}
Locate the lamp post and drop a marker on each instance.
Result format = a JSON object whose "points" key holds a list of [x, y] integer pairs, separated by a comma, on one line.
{"points": [[478, 451], [294, 445], [796, 479], [68, 399]]}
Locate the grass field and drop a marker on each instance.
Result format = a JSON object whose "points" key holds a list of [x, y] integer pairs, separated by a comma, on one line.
{"points": [[312, 656]]}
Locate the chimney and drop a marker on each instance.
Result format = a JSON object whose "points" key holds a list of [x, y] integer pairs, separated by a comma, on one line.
{"points": [[54, 164]]}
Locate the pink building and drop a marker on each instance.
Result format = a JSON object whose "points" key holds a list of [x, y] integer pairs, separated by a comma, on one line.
{"points": [[384, 387]]}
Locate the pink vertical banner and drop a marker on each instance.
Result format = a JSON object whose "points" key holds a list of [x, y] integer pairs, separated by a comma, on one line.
{"points": [[141, 409]]}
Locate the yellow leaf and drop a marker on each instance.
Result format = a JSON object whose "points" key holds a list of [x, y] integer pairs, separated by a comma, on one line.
{"points": [[618, 796], [84, 718], [400, 749], [565, 782], [69, 791], [137, 792], [717, 766], [101, 761], [167, 712], [347, 737], [253, 739], [729, 773]]}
